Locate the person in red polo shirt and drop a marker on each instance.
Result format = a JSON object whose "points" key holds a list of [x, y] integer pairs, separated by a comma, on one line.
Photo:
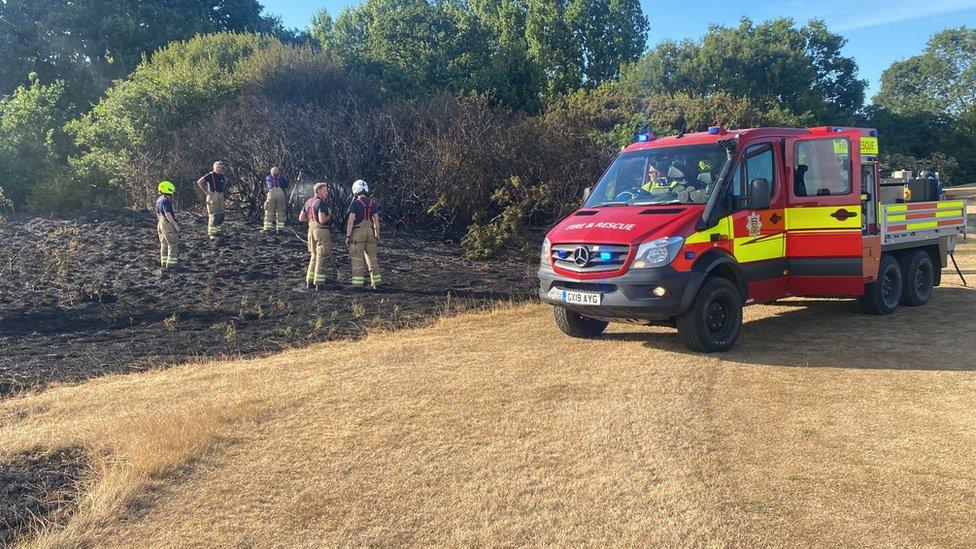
{"points": [[316, 213]]}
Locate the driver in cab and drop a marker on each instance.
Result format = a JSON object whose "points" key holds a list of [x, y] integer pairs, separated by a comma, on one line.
{"points": [[655, 183]]}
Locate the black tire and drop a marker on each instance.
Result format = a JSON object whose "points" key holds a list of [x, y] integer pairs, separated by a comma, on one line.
{"points": [[577, 325], [918, 275], [713, 321], [882, 296]]}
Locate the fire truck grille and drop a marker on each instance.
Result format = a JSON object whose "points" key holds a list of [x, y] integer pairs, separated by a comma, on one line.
{"points": [[589, 258]]}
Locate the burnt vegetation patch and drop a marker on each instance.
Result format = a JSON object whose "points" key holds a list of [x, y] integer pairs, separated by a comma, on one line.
{"points": [[82, 296], [38, 489]]}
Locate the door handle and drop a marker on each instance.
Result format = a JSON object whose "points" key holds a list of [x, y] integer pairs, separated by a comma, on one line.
{"points": [[774, 219], [843, 215]]}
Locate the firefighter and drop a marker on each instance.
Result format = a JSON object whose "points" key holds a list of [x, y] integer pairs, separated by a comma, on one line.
{"points": [[654, 179], [214, 186], [316, 213], [274, 204], [167, 228], [362, 237]]}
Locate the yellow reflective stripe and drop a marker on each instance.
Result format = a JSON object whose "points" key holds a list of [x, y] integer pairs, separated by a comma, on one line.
{"points": [[926, 225], [897, 207], [897, 217], [954, 204], [724, 228], [759, 248], [820, 218]]}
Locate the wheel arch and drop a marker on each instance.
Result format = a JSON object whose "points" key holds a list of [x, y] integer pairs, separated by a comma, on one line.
{"points": [[718, 262]]}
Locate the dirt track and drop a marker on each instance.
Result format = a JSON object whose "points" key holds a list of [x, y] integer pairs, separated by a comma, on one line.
{"points": [[81, 297]]}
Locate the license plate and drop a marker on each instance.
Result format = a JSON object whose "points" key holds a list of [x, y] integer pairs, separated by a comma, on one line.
{"points": [[575, 297]]}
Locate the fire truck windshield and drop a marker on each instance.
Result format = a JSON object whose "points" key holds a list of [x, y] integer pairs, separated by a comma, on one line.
{"points": [[665, 175]]}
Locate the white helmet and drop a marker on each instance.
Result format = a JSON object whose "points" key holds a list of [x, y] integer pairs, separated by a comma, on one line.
{"points": [[360, 186]]}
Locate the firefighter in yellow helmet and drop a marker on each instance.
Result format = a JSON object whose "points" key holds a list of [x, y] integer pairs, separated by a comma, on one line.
{"points": [[167, 228], [316, 213], [362, 237]]}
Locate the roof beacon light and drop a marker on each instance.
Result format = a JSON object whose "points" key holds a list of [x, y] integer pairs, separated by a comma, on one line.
{"points": [[717, 130], [644, 136]]}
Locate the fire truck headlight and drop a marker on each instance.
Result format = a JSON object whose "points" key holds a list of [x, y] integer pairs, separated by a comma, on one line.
{"points": [[546, 252], [657, 253]]}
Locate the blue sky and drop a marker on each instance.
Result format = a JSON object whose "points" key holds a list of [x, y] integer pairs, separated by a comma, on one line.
{"points": [[878, 31]]}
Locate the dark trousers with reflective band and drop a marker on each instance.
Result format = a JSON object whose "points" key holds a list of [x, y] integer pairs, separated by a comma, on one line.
{"points": [[215, 213], [320, 253], [362, 254], [274, 210], [169, 243]]}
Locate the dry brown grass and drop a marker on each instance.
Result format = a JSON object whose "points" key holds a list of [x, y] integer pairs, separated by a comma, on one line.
{"points": [[823, 427]]}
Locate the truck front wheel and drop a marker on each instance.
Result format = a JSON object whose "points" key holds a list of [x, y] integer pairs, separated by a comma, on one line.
{"points": [[576, 325], [919, 276], [882, 296], [713, 321]]}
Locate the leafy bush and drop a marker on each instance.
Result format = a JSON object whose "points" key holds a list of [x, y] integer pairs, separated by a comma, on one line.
{"points": [[29, 122], [135, 123]]}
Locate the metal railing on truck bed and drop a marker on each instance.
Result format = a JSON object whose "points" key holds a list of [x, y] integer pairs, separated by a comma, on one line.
{"points": [[921, 221]]}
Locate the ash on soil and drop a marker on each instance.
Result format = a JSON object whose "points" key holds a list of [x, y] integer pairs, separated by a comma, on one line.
{"points": [[37, 488], [82, 297]]}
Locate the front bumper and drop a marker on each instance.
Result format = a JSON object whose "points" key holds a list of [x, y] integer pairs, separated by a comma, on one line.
{"points": [[628, 297]]}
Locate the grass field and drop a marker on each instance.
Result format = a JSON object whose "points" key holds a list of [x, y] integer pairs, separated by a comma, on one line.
{"points": [[822, 427]]}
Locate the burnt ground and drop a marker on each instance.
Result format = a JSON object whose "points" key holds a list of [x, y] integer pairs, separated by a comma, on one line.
{"points": [[35, 489], [81, 297]]}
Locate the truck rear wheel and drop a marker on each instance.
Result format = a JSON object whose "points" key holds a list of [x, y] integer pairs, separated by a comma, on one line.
{"points": [[918, 274], [882, 296], [577, 325], [713, 321]]}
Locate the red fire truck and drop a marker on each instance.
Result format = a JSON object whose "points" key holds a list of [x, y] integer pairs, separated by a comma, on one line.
{"points": [[686, 230]]}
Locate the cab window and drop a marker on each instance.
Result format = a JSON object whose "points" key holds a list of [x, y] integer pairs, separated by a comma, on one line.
{"points": [[758, 163], [822, 167]]}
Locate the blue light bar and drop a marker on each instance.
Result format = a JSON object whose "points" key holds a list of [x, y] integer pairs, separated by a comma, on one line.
{"points": [[714, 130], [606, 256]]}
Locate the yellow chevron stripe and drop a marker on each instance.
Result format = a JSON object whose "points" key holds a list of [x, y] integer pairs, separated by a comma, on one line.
{"points": [[724, 228], [750, 248]]}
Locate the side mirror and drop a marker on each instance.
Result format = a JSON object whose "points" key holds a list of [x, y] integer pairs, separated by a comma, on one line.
{"points": [[586, 193], [759, 194]]}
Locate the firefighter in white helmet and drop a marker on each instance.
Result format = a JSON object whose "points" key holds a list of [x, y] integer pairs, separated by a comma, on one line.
{"points": [[362, 236]]}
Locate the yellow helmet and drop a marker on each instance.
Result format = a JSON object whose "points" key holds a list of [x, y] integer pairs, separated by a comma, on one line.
{"points": [[165, 187]]}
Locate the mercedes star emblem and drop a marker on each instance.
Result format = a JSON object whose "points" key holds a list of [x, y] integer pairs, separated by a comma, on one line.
{"points": [[581, 256]]}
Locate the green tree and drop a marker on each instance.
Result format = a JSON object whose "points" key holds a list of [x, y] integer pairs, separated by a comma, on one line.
{"points": [[519, 51], [30, 119], [775, 65], [89, 44], [136, 120], [410, 47], [927, 103], [942, 80]]}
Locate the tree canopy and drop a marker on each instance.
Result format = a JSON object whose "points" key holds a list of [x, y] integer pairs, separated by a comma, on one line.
{"points": [[927, 103], [89, 44], [521, 51], [774, 65]]}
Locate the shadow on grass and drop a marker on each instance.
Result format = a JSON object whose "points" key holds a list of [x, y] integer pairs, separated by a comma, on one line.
{"points": [[832, 333]]}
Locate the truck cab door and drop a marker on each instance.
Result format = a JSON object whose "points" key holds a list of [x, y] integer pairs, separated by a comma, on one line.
{"points": [[759, 242], [824, 215]]}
